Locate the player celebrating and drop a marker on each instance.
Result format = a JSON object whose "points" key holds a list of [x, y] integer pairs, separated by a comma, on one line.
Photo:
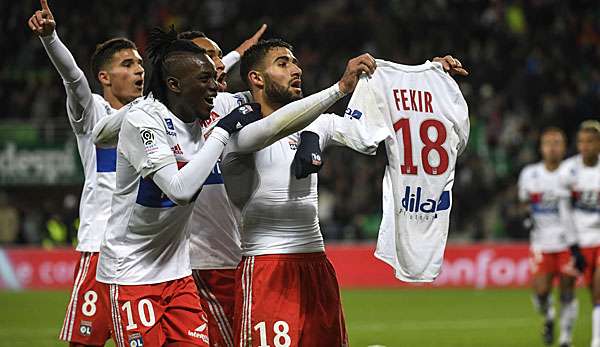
{"points": [[541, 190], [162, 163], [223, 63], [117, 65], [581, 176], [286, 288]]}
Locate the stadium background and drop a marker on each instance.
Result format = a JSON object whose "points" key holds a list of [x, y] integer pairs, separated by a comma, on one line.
{"points": [[532, 63]]}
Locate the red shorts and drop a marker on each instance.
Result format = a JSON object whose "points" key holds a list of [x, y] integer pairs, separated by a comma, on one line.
{"points": [[555, 263], [156, 314], [592, 261], [288, 300], [87, 320], [217, 296]]}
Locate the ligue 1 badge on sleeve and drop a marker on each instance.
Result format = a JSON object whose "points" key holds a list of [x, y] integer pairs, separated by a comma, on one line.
{"points": [[85, 328], [135, 340]]}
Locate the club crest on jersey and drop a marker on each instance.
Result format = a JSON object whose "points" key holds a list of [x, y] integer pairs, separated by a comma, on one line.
{"points": [[353, 113], [135, 340], [85, 328], [293, 145], [245, 109], [415, 203]]}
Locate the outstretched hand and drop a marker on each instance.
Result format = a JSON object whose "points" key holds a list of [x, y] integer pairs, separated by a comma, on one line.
{"points": [[42, 22], [251, 41], [357, 66]]}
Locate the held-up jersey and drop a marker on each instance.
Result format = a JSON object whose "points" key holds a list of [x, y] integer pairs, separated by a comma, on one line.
{"points": [[583, 184], [426, 118], [146, 240], [85, 109], [542, 191]]}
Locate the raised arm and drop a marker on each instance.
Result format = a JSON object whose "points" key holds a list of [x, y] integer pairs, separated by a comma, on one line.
{"points": [[79, 93], [234, 56], [299, 114]]}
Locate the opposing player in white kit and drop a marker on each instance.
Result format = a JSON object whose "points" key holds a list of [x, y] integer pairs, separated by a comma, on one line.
{"points": [[581, 176], [551, 237], [117, 65]]}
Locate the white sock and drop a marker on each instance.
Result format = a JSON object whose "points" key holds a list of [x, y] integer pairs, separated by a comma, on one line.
{"points": [[568, 316], [544, 307], [596, 326]]}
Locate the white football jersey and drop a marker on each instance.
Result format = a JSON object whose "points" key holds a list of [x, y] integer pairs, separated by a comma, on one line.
{"points": [[542, 191], [214, 234], [426, 118], [154, 227], [99, 169], [583, 183]]}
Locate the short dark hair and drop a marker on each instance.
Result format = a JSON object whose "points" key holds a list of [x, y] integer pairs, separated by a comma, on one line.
{"points": [[553, 129], [104, 52], [161, 45], [191, 34], [255, 55]]}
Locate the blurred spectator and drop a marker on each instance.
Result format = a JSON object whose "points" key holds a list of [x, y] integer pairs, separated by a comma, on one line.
{"points": [[9, 220], [532, 64]]}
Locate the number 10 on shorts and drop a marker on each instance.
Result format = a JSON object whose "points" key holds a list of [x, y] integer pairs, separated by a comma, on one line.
{"points": [[280, 331]]}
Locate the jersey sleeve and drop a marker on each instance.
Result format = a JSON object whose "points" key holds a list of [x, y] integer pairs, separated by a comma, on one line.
{"points": [[143, 142], [230, 60], [523, 196], [79, 95], [362, 127], [287, 120], [106, 131]]}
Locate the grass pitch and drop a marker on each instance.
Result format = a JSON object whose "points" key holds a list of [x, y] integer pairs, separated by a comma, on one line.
{"points": [[390, 318]]}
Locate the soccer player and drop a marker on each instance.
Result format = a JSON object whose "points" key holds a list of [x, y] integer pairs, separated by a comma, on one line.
{"points": [[223, 63], [287, 292], [162, 164], [117, 66], [551, 238], [581, 176]]}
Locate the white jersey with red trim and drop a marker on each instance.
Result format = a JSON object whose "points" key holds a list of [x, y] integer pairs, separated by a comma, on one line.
{"points": [[214, 234], [542, 191], [146, 240], [427, 120], [583, 183]]}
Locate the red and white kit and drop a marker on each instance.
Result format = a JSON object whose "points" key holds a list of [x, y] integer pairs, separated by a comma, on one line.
{"points": [[86, 321], [145, 256], [583, 184], [550, 237]]}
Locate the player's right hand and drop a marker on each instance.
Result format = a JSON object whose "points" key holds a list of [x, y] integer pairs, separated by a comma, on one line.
{"points": [[42, 22], [362, 64], [240, 117]]}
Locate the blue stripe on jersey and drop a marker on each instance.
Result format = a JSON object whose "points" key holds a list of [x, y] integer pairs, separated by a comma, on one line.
{"points": [[215, 176], [106, 159], [544, 209], [444, 202], [150, 195]]}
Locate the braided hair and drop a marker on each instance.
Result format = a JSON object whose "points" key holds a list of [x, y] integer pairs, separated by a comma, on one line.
{"points": [[162, 49]]}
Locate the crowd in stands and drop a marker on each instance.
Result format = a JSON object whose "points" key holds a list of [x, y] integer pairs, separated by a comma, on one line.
{"points": [[532, 63]]}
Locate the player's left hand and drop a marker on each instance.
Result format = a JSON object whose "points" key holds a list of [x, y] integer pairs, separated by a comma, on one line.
{"points": [[452, 65], [251, 41], [578, 258], [308, 155]]}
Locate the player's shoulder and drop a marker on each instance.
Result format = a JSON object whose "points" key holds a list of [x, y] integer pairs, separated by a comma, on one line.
{"points": [[532, 170], [570, 166], [146, 111]]}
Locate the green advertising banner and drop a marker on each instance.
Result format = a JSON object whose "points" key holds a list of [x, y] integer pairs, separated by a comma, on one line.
{"points": [[40, 164]]}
